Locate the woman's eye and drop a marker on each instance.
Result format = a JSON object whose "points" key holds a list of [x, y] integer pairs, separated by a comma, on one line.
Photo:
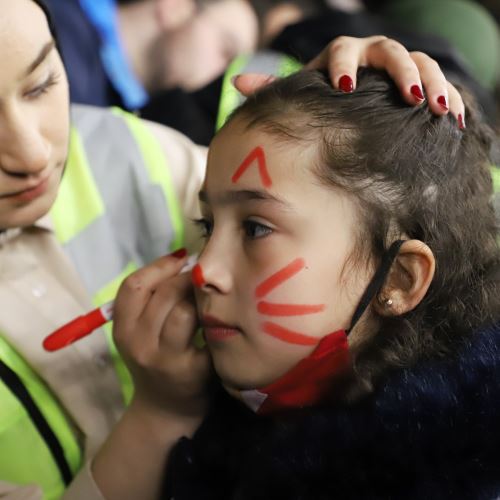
{"points": [[205, 227], [43, 87], [255, 230]]}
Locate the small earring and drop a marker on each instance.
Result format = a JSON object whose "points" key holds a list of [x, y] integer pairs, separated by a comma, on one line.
{"points": [[387, 302]]}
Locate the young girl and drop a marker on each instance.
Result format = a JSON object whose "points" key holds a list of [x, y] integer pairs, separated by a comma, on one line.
{"points": [[348, 291]]}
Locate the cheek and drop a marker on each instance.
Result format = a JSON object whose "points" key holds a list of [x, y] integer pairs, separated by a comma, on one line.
{"points": [[291, 306], [55, 120]]}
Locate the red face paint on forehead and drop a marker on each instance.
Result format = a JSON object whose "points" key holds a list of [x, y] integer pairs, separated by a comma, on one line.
{"points": [[197, 276], [257, 154]]}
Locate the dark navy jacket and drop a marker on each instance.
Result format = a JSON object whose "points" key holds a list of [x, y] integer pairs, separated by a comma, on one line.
{"points": [[428, 432], [80, 45]]}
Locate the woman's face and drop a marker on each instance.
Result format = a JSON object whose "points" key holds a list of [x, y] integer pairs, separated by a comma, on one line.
{"points": [[34, 114], [274, 276]]}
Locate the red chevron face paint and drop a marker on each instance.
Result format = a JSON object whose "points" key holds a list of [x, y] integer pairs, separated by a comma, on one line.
{"points": [[256, 155]]}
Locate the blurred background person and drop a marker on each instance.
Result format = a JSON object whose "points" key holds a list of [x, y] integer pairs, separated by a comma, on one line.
{"points": [[165, 58], [120, 53]]}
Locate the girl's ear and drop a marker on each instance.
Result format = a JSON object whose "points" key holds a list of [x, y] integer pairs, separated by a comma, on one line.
{"points": [[408, 281], [171, 14]]}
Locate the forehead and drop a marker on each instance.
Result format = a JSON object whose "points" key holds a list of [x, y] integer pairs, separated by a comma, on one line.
{"points": [[23, 31], [254, 158], [234, 19]]}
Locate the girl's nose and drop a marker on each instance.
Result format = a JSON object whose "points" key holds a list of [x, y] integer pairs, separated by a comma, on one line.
{"points": [[212, 274]]}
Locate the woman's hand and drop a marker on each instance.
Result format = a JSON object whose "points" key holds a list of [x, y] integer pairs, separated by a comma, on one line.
{"points": [[412, 72], [155, 322]]}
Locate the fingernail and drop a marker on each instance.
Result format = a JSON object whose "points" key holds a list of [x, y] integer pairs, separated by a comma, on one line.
{"points": [[345, 84], [417, 92], [179, 254], [442, 102], [234, 78], [461, 122]]}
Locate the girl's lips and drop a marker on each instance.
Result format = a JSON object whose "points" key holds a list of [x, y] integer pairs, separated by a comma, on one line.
{"points": [[216, 330]]}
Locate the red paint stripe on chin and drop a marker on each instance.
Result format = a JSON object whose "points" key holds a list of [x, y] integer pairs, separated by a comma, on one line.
{"points": [[288, 336], [197, 276], [279, 277], [271, 309]]}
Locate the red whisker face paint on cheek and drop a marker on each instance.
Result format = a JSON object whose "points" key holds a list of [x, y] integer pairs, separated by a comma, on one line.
{"points": [[270, 309], [288, 336], [257, 154], [197, 276], [279, 277]]}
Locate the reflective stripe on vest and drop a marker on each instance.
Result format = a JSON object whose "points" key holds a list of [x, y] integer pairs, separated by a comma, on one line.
{"points": [[267, 62], [114, 157], [19, 433]]}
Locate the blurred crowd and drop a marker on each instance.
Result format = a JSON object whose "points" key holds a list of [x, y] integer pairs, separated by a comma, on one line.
{"points": [[165, 59]]}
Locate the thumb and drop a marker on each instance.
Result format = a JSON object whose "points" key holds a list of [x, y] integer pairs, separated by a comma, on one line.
{"points": [[249, 83]]}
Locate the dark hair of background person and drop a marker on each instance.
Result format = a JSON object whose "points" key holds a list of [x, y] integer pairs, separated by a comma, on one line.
{"points": [[414, 176]]}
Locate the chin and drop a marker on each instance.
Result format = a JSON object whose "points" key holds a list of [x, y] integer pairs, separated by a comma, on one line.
{"points": [[28, 214], [241, 377]]}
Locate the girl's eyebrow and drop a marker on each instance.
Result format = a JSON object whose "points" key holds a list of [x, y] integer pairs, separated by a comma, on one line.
{"points": [[40, 57], [237, 196]]}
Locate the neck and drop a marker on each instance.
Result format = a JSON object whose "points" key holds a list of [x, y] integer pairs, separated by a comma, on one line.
{"points": [[138, 28]]}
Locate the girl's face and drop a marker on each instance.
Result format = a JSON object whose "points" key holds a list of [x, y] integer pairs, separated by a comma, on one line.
{"points": [[34, 114], [273, 277]]}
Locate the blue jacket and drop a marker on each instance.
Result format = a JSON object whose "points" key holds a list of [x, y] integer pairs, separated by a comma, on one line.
{"points": [[97, 68], [428, 432]]}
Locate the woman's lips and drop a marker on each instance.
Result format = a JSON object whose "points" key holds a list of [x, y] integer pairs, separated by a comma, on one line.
{"points": [[30, 193], [216, 330]]}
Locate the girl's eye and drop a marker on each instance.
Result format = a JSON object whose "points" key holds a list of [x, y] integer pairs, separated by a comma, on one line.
{"points": [[44, 87], [205, 227], [255, 230]]}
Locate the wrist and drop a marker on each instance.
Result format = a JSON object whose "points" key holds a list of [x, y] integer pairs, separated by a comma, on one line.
{"points": [[164, 423]]}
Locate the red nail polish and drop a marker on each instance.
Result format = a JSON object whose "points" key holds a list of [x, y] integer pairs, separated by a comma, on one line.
{"points": [[442, 102], [417, 92], [179, 254], [345, 84], [461, 123]]}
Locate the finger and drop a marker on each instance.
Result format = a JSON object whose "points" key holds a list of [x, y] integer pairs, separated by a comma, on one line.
{"points": [[161, 304], [136, 290], [180, 327], [342, 58], [249, 83], [457, 107], [434, 82], [392, 57]]}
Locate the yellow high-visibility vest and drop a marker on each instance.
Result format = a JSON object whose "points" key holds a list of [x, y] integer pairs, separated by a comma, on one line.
{"points": [[116, 210]]}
